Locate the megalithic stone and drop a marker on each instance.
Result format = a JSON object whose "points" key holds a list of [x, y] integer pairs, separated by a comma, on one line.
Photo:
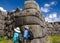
{"points": [[2, 17], [2, 32], [2, 21], [2, 26], [31, 5], [31, 18], [37, 31]]}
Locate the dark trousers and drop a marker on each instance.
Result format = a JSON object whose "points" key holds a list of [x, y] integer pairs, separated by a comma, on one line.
{"points": [[25, 40]]}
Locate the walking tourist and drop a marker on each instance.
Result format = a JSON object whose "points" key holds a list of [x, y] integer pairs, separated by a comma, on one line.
{"points": [[16, 36]]}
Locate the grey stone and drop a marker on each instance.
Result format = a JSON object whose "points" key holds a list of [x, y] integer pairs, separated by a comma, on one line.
{"points": [[2, 21]]}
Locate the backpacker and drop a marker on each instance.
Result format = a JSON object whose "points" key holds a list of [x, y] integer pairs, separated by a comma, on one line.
{"points": [[30, 35]]}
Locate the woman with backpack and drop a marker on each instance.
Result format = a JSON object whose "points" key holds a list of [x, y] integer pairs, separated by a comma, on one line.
{"points": [[27, 35], [16, 36]]}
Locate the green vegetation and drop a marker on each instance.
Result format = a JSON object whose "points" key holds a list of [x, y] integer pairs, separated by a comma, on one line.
{"points": [[5, 40], [55, 39]]}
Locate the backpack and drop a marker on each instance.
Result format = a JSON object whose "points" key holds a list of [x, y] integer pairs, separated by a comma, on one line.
{"points": [[30, 35]]}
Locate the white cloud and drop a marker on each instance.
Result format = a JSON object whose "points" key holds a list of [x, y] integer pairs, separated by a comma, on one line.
{"points": [[53, 3], [47, 5], [2, 9], [52, 17], [45, 9], [48, 19], [13, 10]]}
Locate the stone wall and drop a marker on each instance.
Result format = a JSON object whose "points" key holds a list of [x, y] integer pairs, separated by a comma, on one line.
{"points": [[39, 33], [10, 24], [53, 28], [30, 16], [6, 24], [3, 16]]}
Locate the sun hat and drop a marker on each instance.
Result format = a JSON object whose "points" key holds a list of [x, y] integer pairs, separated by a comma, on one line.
{"points": [[26, 27], [17, 30]]}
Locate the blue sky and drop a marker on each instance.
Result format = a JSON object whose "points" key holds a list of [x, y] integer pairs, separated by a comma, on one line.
{"points": [[50, 8]]}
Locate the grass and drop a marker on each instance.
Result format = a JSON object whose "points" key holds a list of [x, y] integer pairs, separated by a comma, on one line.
{"points": [[53, 39], [5, 40]]}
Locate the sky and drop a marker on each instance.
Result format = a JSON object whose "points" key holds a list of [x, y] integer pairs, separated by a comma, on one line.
{"points": [[49, 8]]}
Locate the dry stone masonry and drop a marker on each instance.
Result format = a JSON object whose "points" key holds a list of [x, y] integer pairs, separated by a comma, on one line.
{"points": [[31, 16], [53, 28], [3, 16]]}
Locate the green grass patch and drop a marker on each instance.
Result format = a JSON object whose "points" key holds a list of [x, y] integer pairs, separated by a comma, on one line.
{"points": [[55, 39], [5, 40]]}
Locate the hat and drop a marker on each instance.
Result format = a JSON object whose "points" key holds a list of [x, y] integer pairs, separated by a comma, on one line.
{"points": [[26, 27], [17, 30]]}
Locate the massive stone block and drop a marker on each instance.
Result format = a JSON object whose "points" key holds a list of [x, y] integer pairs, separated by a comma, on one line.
{"points": [[30, 4], [2, 21], [28, 20], [2, 17], [37, 31], [2, 26], [30, 16], [2, 32]]}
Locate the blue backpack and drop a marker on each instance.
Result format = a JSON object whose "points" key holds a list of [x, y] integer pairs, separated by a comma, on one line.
{"points": [[31, 37]]}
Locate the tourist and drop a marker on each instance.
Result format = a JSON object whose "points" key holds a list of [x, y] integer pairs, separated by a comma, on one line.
{"points": [[16, 37], [25, 34]]}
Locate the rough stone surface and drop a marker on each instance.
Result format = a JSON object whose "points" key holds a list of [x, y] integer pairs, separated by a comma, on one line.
{"points": [[31, 17], [53, 28], [3, 16], [37, 31]]}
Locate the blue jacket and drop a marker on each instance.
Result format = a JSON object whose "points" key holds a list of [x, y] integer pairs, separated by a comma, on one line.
{"points": [[26, 33], [16, 37]]}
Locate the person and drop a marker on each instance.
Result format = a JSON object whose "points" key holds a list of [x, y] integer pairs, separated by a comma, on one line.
{"points": [[16, 35], [25, 34]]}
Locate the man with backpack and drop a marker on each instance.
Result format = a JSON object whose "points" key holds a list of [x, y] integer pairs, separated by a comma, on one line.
{"points": [[27, 35]]}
